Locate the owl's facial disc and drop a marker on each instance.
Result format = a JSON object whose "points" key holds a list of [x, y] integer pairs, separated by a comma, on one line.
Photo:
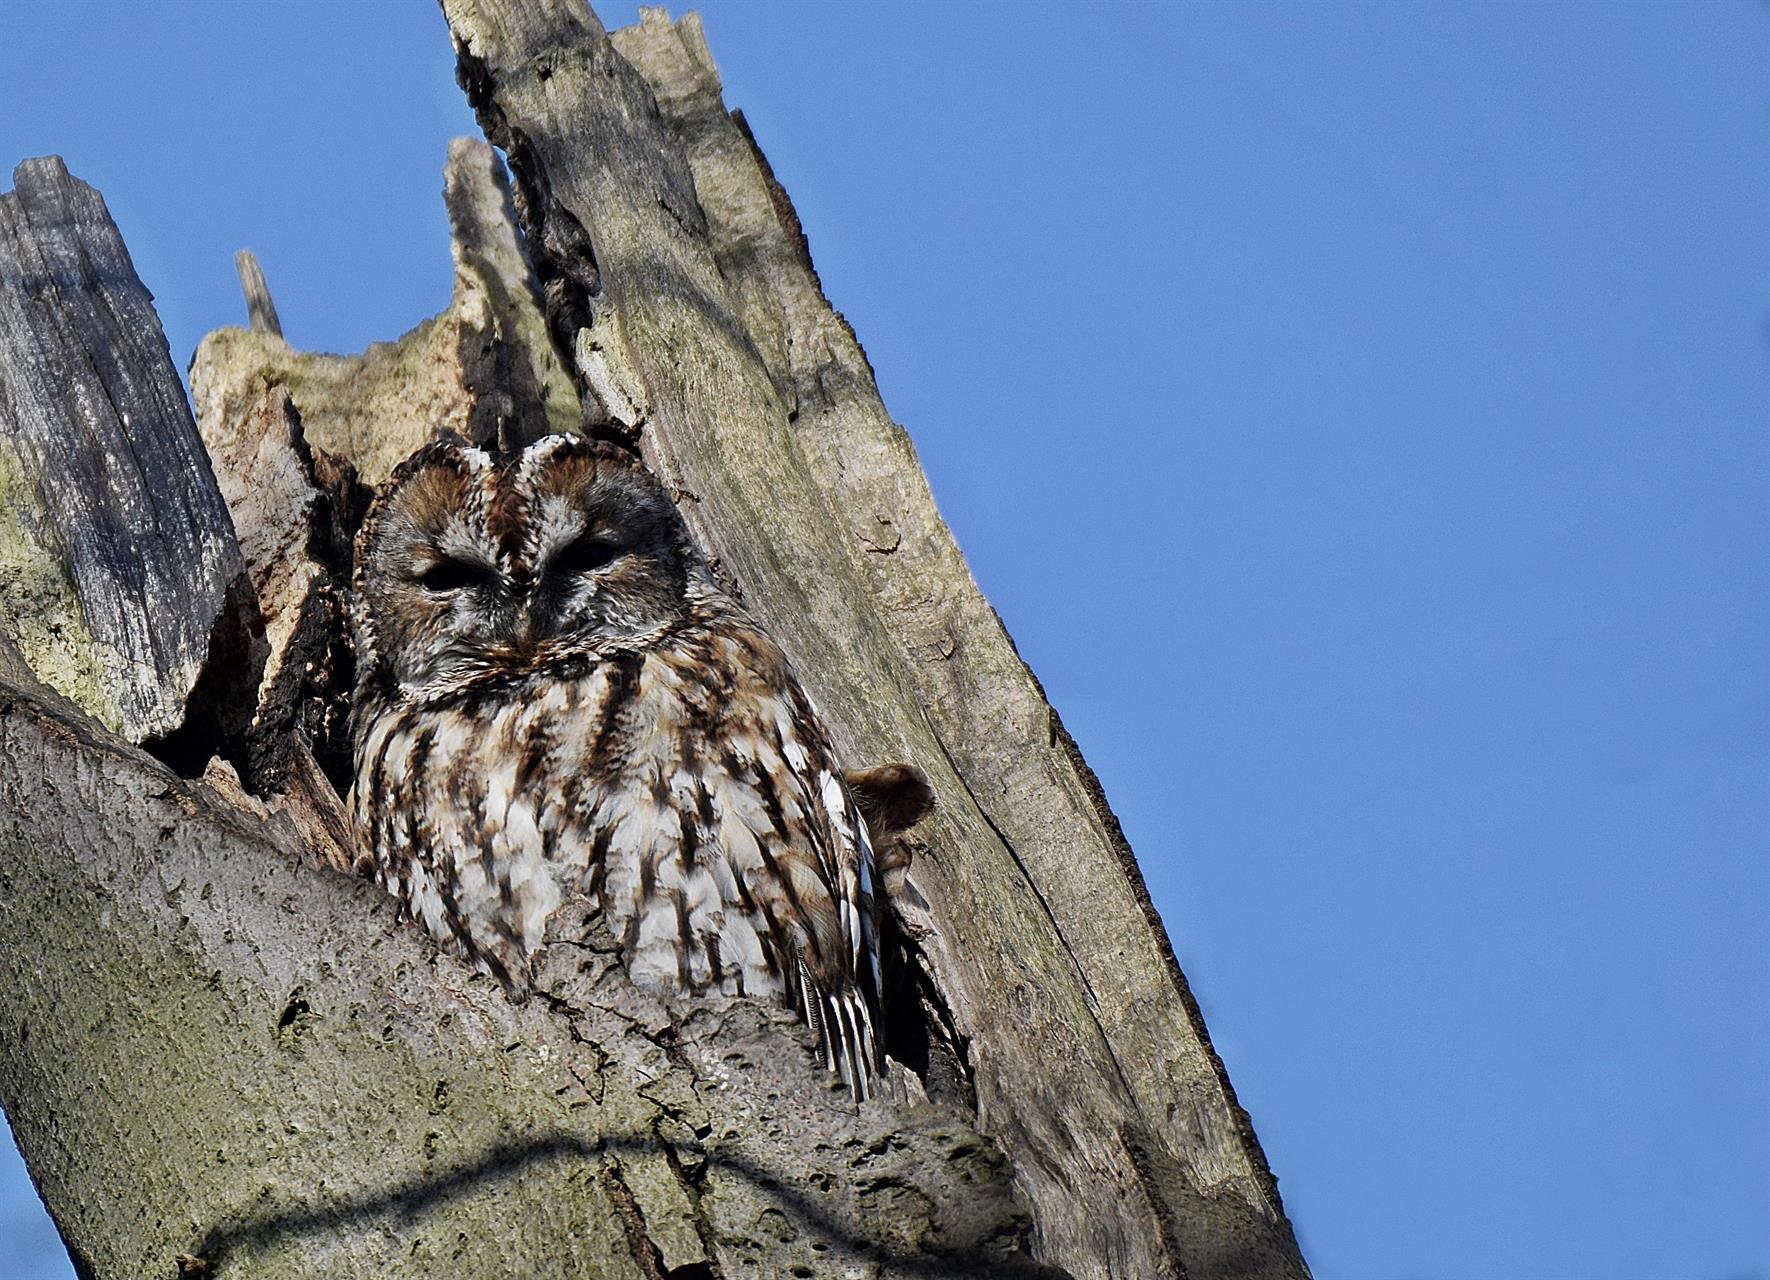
{"points": [[472, 562]]}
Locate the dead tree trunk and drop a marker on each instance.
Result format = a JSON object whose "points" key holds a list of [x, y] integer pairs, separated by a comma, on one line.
{"points": [[222, 1056]]}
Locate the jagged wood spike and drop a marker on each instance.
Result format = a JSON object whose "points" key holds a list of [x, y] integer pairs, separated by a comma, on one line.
{"points": [[483, 366], [261, 312], [120, 579]]}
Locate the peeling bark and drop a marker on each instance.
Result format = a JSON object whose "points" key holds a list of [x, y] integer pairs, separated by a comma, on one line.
{"points": [[296, 509]]}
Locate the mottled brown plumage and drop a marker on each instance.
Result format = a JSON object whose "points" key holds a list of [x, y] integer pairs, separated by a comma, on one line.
{"points": [[555, 699]]}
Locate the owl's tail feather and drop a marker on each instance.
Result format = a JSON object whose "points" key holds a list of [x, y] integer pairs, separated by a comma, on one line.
{"points": [[844, 1026], [811, 1004], [852, 1052]]}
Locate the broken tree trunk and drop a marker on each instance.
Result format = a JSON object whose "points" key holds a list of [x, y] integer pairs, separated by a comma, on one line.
{"points": [[683, 287], [123, 581], [223, 1057]]}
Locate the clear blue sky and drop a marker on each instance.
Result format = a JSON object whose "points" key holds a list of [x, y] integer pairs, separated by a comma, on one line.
{"points": [[1357, 413]]}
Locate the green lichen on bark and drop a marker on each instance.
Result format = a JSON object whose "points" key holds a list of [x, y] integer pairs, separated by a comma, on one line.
{"points": [[39, 609]]}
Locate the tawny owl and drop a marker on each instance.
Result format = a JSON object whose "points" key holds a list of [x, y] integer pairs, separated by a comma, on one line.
{"points": [[554, 698]]}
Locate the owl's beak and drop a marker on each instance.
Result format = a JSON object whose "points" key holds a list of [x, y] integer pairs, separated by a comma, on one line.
{"points": [[527, 619], [518, 629], [529, 628]]}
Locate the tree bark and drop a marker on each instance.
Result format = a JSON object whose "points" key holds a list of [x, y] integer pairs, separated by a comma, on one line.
{"points": [[215, 1045]]}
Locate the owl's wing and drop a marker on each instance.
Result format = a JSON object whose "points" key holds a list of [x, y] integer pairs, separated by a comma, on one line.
{"points": [[731, 856], [803, 872], [846, 1000], [839, 971]]}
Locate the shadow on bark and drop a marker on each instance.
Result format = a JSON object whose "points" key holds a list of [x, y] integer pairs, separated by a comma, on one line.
{"points": [[411, 1200]]}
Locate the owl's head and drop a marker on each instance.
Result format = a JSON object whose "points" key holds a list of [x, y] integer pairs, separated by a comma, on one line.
{"points": [[473, 563]]}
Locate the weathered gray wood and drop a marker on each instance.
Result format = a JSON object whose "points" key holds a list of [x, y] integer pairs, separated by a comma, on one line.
{"points": [[701, 327], [261, 311], [119, 577]]}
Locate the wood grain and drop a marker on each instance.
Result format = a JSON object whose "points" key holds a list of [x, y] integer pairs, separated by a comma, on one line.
{"points": [[120, 578]]}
